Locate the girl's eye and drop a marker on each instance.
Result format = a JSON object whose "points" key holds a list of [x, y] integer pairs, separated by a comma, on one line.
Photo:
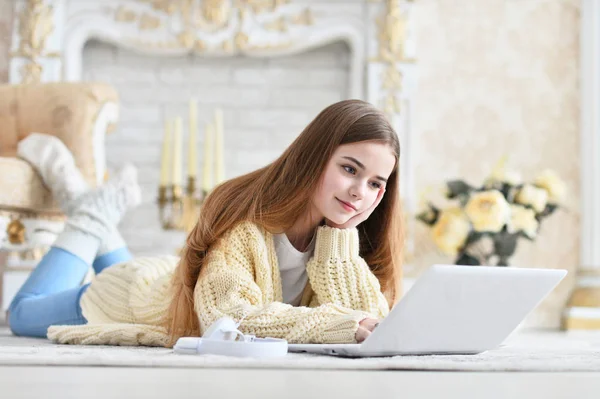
{"points": [[349, 169]]}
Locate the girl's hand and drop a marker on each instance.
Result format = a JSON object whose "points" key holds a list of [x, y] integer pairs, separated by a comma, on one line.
{"points": [[365, 328], [360, 217]]}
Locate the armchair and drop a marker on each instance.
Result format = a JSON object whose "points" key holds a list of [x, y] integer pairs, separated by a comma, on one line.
{"points": [[80, 114]]}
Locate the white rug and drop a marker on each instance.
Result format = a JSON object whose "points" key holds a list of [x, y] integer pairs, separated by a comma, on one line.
{"points": [[525, 351]]}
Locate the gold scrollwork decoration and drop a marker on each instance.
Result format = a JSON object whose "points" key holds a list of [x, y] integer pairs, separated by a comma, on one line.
{"points": [[278, 25], [35, 27], [15, 232], [125, 15], [216, 12], [304, 18], [166, 6], [210, 16], [392, 34], [241, 40], [31, 72], [392, 37], [149, 22], [186, 39]]}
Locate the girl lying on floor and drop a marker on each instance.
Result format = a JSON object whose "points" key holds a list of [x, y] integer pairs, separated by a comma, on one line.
{"points": [[307, 249]]}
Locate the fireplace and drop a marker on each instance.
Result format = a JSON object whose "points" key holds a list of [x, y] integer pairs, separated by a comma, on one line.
{"points": [[271, 66], [266, 104]]}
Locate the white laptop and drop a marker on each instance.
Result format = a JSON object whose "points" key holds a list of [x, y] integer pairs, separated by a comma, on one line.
{"points": [[453, 310]]}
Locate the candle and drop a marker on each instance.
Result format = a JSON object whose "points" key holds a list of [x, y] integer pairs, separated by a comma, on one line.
{"points": [[165, 156], [219, 172], [192, 144], [207, 169], [177, 153]]}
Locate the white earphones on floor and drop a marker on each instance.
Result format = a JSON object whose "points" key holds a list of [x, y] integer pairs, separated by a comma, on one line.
{"points": [[224, 338]]}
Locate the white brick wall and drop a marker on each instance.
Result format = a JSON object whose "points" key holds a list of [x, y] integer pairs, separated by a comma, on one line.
{"points": [[266, 103]]}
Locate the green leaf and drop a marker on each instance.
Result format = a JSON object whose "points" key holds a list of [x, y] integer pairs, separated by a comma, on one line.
{"points": [[467, 260], [457, 188], [474, 236], [505, 244], [505, 189], [549, 210], [503, 261], [429, 216]]}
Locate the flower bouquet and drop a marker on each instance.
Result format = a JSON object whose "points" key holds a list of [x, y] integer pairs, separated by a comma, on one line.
{"points": [[485, 223]]}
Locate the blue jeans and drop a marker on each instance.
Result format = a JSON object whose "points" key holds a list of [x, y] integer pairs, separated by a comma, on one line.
{"points": [[52, 293]]}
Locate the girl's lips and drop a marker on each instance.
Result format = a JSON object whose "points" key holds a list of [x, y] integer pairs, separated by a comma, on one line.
{"points": [[346, 205]]}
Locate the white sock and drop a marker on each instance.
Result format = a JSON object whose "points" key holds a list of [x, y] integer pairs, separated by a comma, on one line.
{"points": [[113, 241], [94, 215], [55, 164], [78, 242]]}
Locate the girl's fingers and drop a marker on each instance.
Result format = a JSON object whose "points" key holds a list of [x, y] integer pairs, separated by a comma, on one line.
{"points": [[362, 334], [377, 201], [369, 324]]}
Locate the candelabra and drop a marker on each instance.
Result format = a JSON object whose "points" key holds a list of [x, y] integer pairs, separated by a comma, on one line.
{"points": [[178, 211]]}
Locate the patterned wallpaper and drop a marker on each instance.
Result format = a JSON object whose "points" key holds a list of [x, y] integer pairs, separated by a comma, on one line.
{"points": [[500, 77], [497, 77], [6, 21]]}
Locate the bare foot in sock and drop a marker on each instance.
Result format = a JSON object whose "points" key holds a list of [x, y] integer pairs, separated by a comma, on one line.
{"points": [[98, 211], [55, 164]]}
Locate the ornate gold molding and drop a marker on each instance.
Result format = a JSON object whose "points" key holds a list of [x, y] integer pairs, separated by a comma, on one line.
{"points": [[21, 213], [35, 27], [125, 15], [145, 21], [392, 38], [149, 22], [15, 231], [212, 16]]}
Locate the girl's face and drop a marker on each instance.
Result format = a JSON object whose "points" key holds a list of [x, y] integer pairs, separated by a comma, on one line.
{"points": [[354, 175]]}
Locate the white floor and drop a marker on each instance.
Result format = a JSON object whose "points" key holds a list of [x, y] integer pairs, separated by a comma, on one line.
{"points": [[147, 383], [131, 382]]}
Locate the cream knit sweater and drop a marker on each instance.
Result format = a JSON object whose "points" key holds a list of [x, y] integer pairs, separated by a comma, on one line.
{"points": [[125, 304]]}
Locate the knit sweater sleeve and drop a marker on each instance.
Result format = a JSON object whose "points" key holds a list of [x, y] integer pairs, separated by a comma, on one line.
{"points": [[339, 276], [229, 287]]}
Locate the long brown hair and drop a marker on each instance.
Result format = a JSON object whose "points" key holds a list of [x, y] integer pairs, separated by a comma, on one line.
{"points": [[276, 195]]}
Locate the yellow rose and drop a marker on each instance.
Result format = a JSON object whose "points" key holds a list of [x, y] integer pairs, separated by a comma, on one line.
{"points": [[451, 230], [522, 219], [537, 198], [488, 211], [554, 185]]}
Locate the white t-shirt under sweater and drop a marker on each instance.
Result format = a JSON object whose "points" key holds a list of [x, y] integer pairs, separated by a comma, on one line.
{"points": [[292, 266]]}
